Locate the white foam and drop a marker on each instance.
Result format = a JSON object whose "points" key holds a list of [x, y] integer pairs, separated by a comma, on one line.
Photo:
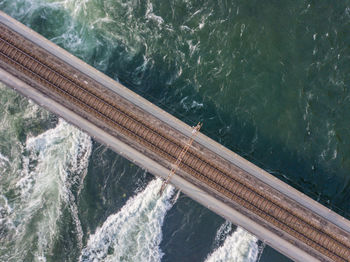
{"points": [[150, 15], [242, 30], [134, 233], [239, 247], [64, 152], [53, 162], [222, 233], [5, 211], [193, 47], [3, 160]]}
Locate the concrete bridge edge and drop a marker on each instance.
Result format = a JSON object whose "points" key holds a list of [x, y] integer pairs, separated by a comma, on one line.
{"points": [[177, 124], [156, 169]]}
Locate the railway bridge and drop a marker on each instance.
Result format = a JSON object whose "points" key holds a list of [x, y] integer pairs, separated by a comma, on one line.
{"points": [[216, 177]]}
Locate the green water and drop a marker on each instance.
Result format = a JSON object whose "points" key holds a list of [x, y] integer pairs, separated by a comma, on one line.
{"points": [[269, 80]]}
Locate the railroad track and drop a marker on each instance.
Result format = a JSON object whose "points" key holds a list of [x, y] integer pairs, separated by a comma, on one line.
{"points": [[23, 60]]}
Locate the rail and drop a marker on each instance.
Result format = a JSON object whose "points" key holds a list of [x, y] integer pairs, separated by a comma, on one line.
{"points": [[25, 61]]}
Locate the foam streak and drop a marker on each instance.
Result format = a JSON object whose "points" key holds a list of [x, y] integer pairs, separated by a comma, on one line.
{"points": [[134, 233], [239, 247]]}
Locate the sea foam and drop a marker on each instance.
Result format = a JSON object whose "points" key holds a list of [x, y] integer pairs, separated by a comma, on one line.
{"points": [[238, 247], [134, 233], [52, 163]]}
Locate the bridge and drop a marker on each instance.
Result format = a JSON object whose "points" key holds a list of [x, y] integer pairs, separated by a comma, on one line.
{"points": [[216, 177]]}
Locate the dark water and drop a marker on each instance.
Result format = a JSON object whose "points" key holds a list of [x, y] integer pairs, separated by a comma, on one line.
{"points": [[269, 80]]}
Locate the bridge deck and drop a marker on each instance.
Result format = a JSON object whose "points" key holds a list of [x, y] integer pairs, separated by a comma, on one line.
{"points": [[216, 177]]}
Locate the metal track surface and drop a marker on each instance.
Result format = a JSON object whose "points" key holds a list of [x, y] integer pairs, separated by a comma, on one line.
{"points": [[225, 183]]}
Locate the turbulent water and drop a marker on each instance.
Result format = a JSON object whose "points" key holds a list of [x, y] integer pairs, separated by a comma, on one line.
{"points": [[269, 79], [134, 233], [41, 175], [240, 247]]}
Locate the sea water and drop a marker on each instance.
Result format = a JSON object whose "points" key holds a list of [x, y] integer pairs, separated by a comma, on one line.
{"points": [[268, 79]]}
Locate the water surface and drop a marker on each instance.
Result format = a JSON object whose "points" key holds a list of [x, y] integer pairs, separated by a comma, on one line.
{"points": [[269, 80]]}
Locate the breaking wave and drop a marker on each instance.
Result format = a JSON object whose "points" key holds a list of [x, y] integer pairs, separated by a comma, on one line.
{"points": [[237, 247], [134, 233], [39, 175]]}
